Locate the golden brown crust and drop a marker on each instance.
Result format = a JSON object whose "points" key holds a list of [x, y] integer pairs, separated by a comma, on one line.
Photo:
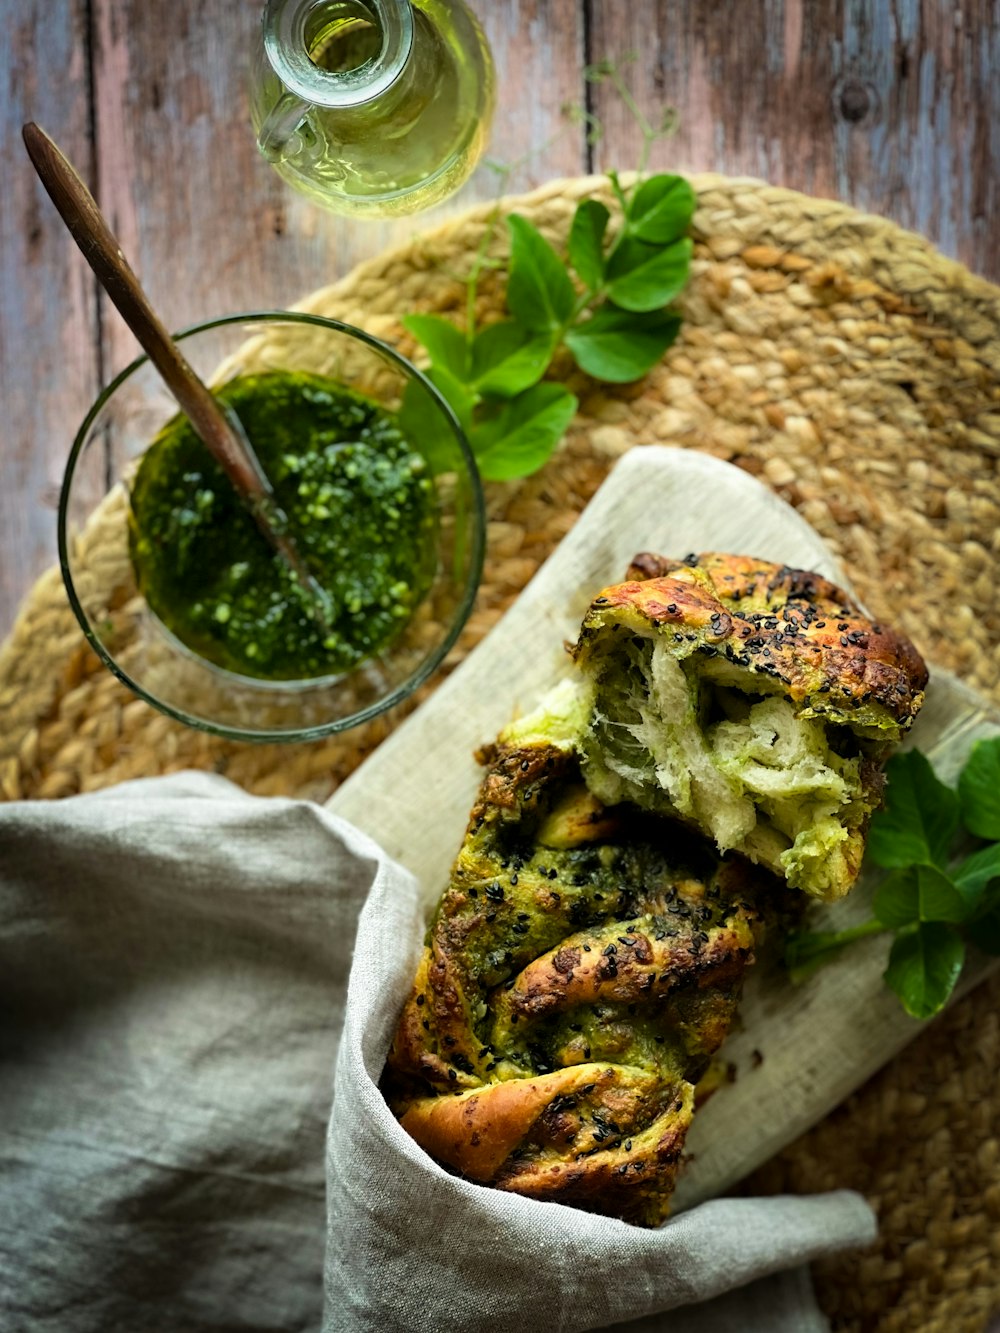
{"points": [[791, 625]]}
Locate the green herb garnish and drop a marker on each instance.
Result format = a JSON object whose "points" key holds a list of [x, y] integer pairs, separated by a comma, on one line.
{"points": [[614, 318], [931, 901]]}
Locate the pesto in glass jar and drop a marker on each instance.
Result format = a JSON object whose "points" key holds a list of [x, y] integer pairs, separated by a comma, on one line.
{"points": [[359, 501]]}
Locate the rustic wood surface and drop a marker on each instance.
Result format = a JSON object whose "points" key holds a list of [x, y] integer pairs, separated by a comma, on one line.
{"points": [[893, 105]]}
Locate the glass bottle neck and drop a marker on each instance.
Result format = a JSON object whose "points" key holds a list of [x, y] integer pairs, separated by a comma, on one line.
{"points": [[301, 35]]}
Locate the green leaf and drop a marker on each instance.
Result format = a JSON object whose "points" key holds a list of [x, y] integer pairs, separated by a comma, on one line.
{"points": [[446, 344], [420, 418], [920, 819], [918, 893], [979, 789], [461, 398], [586, 241], [539, 291], [619, 346], [642, 277], [519, 439], [924, 965], [661, 210], [977, 872], [508, 358], [619, 193]]}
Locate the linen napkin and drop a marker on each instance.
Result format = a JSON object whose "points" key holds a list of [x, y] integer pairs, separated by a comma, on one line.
{"points": [[175, 976]]}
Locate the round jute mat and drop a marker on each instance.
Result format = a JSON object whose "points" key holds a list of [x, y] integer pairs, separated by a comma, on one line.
{"points": [[857, 372]]}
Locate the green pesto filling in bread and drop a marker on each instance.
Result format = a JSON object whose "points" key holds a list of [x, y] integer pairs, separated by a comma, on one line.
{"points": [[784, 789]]}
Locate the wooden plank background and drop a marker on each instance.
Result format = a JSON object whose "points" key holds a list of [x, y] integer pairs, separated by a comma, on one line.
{"points": [[893, 105]]}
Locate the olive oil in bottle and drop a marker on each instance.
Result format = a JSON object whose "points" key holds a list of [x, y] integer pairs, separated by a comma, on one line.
{"points": [[372, 106]]}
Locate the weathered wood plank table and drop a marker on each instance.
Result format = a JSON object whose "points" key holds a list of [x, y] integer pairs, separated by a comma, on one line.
{"points": [[893, 107]]}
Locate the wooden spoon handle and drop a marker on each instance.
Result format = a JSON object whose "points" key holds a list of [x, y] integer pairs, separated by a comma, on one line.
{"points": [[88, 227], [220, 432]]}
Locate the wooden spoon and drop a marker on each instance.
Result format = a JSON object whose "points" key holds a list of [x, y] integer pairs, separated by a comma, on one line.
{"points": [[218, 427]]}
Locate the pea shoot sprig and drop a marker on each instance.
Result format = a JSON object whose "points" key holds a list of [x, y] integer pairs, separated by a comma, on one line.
{"points": [[608, 303], [933, 903]]}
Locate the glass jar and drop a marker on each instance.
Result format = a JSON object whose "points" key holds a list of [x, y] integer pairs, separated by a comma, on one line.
{"points": [[372, 107]]}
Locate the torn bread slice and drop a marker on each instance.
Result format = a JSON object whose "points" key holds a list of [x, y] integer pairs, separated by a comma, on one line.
{"points": [[752, 700]]}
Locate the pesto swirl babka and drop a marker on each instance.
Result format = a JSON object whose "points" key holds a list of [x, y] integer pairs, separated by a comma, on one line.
{"points": [[586, 959]]}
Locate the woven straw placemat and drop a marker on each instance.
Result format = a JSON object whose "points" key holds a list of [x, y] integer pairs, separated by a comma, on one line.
{"points": [[857, 372]]}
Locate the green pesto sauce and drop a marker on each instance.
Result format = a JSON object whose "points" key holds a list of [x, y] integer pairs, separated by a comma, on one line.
{"points": [[360, 507]]}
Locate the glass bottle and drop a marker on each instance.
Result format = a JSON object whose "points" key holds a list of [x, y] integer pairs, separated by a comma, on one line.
{"points": [[372, 106]]}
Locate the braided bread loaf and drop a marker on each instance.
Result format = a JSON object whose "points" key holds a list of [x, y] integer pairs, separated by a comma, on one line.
{"points": [[586, 960]]}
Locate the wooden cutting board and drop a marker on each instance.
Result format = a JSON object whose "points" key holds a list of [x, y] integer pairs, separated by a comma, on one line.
{"points": [[799, 1050]]}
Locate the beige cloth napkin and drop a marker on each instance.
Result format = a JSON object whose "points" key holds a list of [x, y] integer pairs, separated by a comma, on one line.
{"points": [[174, 982]]}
